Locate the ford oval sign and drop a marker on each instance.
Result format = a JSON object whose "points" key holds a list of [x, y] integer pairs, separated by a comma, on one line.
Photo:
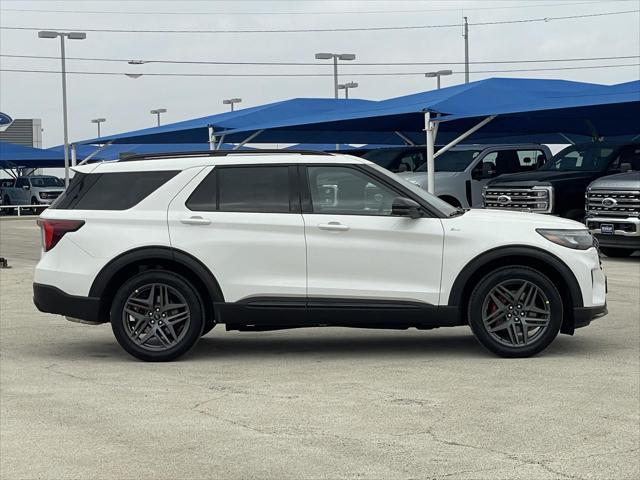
{"points": [[504, 199], [609, 202]]}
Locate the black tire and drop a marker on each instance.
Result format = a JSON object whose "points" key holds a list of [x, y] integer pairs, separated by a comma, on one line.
{"points": [[616, 252], [186, 336], [546, 296], [7, 201]]}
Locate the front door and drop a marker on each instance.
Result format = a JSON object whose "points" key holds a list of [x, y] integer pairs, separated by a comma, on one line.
{"points": [[357, 250]]}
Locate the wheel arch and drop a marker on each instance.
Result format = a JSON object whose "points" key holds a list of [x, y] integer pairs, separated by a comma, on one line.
{"points": [[140, 259], [548, 264]]}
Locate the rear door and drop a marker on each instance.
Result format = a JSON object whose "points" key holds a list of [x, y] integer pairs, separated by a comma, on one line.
{"points": [[356, 250], [244, 223]]}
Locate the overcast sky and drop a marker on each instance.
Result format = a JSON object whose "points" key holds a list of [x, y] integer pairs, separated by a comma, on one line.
{"points": [[125, 102]]}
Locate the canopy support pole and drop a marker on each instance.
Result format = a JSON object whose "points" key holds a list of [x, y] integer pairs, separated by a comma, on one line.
{"points": [[73, 155], [567, 138], [430, 129], [405, 138], [212, 139], [471, 131], [219, 146], [248, 139], [95, 152]]}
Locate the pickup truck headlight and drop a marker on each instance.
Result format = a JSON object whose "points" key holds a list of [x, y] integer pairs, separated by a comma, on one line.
{"points": [[576, 239]]}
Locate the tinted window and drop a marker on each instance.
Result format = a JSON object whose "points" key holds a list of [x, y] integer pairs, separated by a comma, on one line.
{"points": [[243, 189], [21, 182], [591, 157], [46, 182], [111, 191], [347, 191]]}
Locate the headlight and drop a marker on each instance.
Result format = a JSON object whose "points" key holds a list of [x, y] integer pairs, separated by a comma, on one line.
{"points": [[576, 239]]}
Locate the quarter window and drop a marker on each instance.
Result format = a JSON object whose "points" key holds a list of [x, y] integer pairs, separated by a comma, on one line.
{"points": [[348, 191]]}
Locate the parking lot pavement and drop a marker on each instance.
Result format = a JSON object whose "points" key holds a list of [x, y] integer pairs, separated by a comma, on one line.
{"points": [[313, 403]]}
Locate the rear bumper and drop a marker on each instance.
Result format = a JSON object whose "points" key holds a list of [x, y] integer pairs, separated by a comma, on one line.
{"points": [[51, 299], [583, 316]]}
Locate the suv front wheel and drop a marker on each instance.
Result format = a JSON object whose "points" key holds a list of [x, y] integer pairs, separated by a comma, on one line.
{"points": [[157, 316], [515, 311]]}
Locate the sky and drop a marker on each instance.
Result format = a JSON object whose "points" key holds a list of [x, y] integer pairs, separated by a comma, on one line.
{"points": [[125, 102]]}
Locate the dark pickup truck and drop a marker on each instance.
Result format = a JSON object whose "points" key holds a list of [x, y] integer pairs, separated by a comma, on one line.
{"points": [[559, 186]]}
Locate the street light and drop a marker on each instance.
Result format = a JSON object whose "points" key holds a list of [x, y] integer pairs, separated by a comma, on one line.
{"points": [[346, 87], [70, 36], [157, 112], [335, 57], [231, 101], [98, 121], [438, 74]]}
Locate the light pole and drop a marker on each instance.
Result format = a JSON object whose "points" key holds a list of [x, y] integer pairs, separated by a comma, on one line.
{"points": [[335, 57], [98, 121], [70, 36], [231, 102], [438, 74], [157, 113], [346, 87]]}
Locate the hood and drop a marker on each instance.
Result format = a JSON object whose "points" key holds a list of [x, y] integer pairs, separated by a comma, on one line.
{"points": [[623, 181], [510, 217], [535, 177]]}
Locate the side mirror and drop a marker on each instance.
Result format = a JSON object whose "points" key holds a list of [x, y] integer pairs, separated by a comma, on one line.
{"points": [[26, 187], [625, 167], [405, 207]]}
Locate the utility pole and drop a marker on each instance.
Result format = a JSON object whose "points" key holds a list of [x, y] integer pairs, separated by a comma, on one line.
{"points": [[466, 50]]}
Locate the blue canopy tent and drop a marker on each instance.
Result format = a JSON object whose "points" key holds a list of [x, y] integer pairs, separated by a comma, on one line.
{"points": [[211, 129], [495, 110], [18, 156]]}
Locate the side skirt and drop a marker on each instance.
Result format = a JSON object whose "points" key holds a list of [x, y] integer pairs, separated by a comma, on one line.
{"points": [[269, 313]]}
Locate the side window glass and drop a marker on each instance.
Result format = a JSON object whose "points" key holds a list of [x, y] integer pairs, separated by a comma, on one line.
{"points": [[253, 189], [409, 162], [348, 191], [204, 198], [531, 159], [486, 168], [21, 182]]}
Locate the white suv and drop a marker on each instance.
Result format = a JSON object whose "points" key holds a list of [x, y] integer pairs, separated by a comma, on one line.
{"points": [[166, 247]]}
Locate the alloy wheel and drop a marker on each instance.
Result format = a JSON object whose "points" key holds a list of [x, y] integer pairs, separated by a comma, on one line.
{"points": [[516, 313], [156, 316]]}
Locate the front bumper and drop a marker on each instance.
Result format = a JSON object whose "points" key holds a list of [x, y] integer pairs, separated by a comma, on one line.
{"points": [[582, 316], [51, 299], [626, 233]]}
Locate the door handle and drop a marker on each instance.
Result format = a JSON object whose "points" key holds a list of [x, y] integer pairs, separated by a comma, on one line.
{"points": [[334, 226], [195, 221]]}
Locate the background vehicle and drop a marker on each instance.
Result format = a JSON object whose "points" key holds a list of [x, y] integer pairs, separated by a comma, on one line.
{"points": [[559, 186], [463, 171], [613, 212], [264, 242], [31, 190]]}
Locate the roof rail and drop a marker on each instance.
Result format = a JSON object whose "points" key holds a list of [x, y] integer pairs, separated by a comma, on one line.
{"points": [[214, 153]]}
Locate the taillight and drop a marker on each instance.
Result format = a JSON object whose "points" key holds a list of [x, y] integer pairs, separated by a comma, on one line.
{"points": [[54, 230]]}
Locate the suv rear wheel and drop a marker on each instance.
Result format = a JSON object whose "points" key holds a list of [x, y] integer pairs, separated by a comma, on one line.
{"points": [[515, 312], [157, 316]]}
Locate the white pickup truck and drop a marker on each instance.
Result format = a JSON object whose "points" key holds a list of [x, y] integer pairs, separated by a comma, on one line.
{"points": [[31, 190], [462, 171]]}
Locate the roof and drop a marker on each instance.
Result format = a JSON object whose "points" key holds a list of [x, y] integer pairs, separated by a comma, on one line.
{"points": [[184, 162], [13, 155]]}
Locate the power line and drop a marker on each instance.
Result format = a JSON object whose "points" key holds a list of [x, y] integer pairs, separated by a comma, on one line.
{"points": [[315, 64], [321, 30], [254, 75], [355, 12]]}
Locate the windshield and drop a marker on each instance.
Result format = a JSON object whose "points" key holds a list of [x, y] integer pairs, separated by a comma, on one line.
{"points": [[441, 205], [47, 182], [452, 161], [587, 158]]}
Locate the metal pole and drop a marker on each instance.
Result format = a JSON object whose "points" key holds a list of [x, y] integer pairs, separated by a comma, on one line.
{"points": [[466, 52], [64, 113], [429, 131], [212, 138], [438, 77], [98, 129], [335, 76], [346, 93], [158, 115], [73, 155]]}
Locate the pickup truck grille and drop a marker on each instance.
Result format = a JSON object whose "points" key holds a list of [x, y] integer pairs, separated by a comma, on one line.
{"points": [[613, 203], [534, 199]]}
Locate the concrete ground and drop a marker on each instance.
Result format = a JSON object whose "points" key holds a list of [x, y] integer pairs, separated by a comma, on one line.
{"points": [[316, 403]]}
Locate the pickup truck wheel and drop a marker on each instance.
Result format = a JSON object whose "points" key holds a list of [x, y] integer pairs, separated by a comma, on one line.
{"points": [[616, 252], [515, 312], [157, 316]]}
